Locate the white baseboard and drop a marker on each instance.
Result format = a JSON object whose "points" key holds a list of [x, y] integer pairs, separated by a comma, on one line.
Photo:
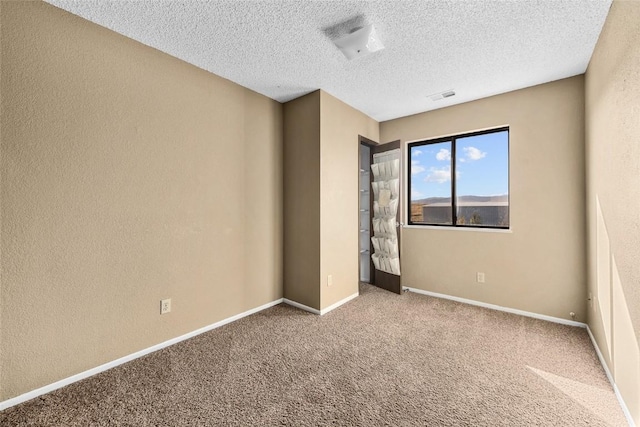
{"points": [[623, 405], [301, 306], [82, 375], [324, 310], [338, 304], [499, 308]]}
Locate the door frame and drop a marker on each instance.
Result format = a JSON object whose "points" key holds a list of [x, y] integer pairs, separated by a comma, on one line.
{"points": [[369, 143], [381, 279]]}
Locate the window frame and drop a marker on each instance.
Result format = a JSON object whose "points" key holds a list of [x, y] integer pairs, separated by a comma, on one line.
{"points": [[454, 217]]}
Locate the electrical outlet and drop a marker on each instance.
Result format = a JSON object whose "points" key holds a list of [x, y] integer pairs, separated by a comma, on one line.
{"points": [[165, 306], [329, 280], [480, 277]]}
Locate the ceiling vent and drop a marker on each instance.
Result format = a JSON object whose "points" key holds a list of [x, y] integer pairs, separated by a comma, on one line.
{"points": [[442, 95], [360, 42]]}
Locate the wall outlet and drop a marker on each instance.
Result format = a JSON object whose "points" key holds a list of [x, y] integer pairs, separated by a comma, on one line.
{"points": [[165, 306], [329, 280], [480, 277]]}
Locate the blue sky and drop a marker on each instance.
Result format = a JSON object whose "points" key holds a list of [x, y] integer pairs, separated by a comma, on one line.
{"points": [[482, 167]]}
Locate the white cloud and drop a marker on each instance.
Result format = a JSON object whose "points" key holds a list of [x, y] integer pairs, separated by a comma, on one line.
{"points": [[415, 194], [443, 154], [415, 153], [440, 176], [416, 167], [473, 153]]}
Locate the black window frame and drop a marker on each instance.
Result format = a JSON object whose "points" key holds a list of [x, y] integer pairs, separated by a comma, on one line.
{"points": [[454, 216]]}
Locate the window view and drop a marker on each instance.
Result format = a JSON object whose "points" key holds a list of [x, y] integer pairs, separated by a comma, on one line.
{"points": [[461, 181]]}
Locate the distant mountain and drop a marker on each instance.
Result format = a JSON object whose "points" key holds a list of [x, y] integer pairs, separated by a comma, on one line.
{"points": [[432, 200]]}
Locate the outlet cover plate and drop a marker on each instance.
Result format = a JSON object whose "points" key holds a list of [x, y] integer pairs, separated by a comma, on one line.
{"points": [[165, 306]]}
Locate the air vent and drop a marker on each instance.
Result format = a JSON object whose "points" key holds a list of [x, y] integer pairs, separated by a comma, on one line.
{"points": [[442, 95]]}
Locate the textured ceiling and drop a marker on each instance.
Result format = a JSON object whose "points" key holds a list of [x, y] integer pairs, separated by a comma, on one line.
{"points": [[283, 48]]}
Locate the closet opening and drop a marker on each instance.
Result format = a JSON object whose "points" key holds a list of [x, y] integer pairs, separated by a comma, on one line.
{"points": [[364, 213]]}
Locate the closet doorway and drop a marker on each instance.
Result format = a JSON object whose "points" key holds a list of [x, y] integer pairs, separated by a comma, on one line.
{"points": [[364, 214], [379, 214]]}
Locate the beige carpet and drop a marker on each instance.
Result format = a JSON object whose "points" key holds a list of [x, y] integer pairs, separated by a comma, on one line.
{"points": [[381, 359]]}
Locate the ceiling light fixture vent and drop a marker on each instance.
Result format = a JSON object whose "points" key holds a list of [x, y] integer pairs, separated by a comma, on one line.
{"points": [[442, 95], [360, 42]]}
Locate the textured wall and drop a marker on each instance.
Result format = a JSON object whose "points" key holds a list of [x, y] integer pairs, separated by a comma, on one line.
{"points": [[127, 176], [321, 197], [302, 200], [540, 265], [613, 180], [339, 195]]}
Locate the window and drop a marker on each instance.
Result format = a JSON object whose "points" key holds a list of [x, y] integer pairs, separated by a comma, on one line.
{"points": [[460, 181]]}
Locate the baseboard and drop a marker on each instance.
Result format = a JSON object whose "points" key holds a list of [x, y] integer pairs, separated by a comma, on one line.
{"points": [[623, 405], [324, 310], [301, 306], [499, 308], [338, 304], [86, 374]]}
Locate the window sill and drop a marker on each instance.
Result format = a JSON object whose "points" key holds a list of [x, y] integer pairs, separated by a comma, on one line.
{"points": [[470, 229]]}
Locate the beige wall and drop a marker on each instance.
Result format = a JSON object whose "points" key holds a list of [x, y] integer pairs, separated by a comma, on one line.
{"points": [[127, 176], [540, 265], [613, 177], [321, 198], [263, 199], [340, 127], [302, 200]]}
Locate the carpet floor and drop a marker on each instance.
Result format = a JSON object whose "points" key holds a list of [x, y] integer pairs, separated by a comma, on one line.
{"points": [[379, 360]]}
